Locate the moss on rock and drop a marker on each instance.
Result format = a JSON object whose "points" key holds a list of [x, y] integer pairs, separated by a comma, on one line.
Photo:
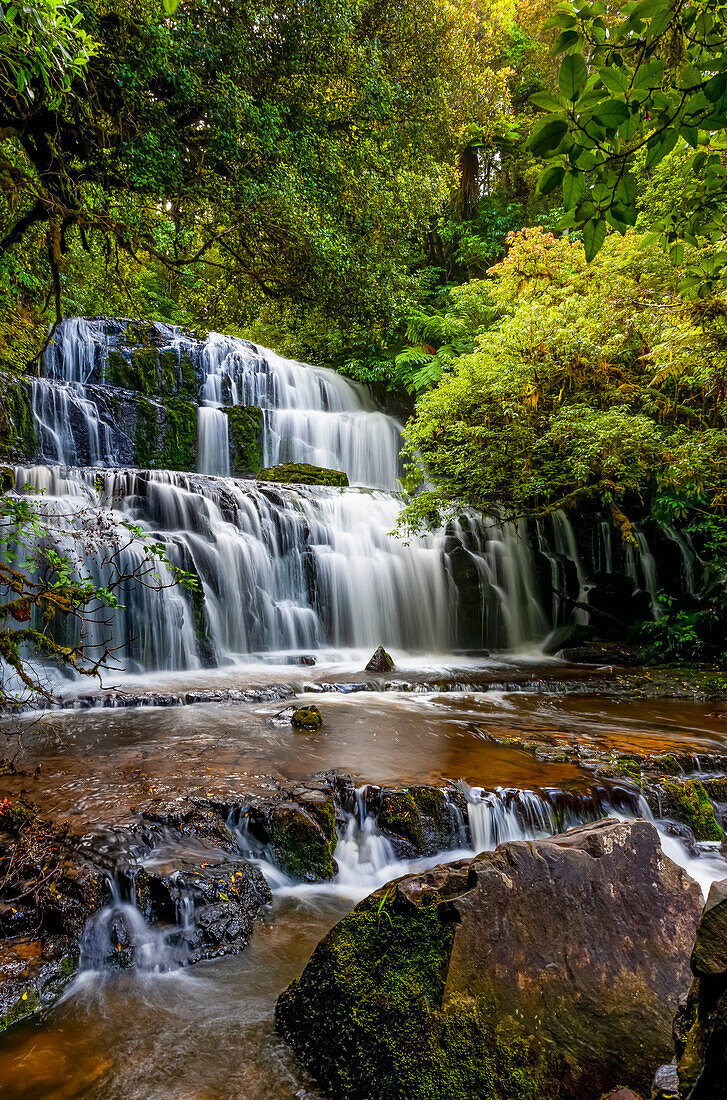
{"points": [[166, 435], [302, 473], [687, 801], [398, 814], [299, 846], [246, 432], [18, 441], [307, 718]]}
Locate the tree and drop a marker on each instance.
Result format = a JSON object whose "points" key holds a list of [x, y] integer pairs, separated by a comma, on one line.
{"points": [[63, 572], [632, 87], [276, 152], [597, 387]]}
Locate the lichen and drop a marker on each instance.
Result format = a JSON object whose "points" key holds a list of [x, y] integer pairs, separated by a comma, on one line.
{"points": [[246, 431], [302, 473]]}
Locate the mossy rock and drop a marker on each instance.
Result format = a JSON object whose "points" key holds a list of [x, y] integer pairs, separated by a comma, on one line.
{"points": [[687, 801], [7, 479], [399, 816], [246, 432], [302, 473], [166, 435], [307, 718], [380, 661], [18, 441], [716, 788], [298, 844], [461, 981]]}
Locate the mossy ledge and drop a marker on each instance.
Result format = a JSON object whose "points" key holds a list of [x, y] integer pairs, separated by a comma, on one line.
{"points": [[166, 435], [687, 801], [246, 433], [302, 473], [18, 441]]}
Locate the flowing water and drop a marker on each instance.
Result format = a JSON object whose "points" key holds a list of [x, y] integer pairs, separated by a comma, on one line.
{"points": [[297, 586]]}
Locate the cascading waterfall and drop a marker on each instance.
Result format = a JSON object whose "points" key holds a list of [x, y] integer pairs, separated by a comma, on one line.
{"points": [[281, 569]]}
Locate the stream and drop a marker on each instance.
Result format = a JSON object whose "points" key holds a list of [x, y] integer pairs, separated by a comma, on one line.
{"points": [[297, 584]]}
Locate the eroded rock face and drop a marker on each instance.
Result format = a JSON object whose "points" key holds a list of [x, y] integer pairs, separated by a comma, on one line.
{"points": [[541, 970], [700, 1027]]}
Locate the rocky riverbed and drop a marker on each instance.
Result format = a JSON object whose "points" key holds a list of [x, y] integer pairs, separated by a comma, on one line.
{"points": [[143, 844]]}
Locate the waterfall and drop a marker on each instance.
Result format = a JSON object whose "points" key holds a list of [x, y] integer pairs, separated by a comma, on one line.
{"points": [[281, 569]]}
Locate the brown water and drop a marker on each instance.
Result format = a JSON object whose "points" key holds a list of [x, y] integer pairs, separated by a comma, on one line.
{"points": [[206, 1033]]}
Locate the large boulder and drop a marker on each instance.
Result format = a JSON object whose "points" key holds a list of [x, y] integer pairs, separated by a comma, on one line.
{"points": [[540, 970], [700, 1027]]}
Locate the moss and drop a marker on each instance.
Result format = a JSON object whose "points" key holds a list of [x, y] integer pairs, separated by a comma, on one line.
{"points": [[168, 371], [147, 439], [139, 333], [246, 431], [120, 371], [179, 450], [431, 804], [398, 814], [144, 362], [688, 802], [299, 845], [307, 718], [7, 479], [166, 435], [27, 1004], [367, 1015], [188, 375], [302, 473], [716, 788], [17, 427]]}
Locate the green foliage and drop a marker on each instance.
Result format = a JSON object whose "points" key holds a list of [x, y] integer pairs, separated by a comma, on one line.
{"points": [[43, 49], [594, 387], [633, 87], [246, 432]]}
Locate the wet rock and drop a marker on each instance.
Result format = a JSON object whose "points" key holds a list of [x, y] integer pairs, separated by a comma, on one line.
{"points": [[298, 844], [419, 820], [381, 661], [542, 969], [700, 1025], [621, 1094], [666, 1083], [685, 800], [574, 634], [307, 718]]}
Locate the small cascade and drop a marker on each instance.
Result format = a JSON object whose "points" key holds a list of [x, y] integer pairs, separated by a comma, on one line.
{"points": [[119, 936]]}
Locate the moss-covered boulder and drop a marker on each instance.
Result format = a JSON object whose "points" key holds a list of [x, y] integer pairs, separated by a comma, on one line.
{"points": [[246, 433], [687, 801], [307, 718], [302, 473], [542, 970]]}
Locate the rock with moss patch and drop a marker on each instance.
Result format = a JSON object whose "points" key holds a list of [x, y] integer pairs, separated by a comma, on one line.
{"points": [[295, 839], [246, 434], [381, 661], [302, 473], [687, 801], [540, 970], [307, 718]]}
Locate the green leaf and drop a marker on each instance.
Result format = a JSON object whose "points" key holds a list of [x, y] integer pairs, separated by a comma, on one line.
{"points": [[565, 41], [572, 76], [170, 6], [550, 179], [611, 113], [594, 234], [715, 88], [649, 75], [547, 136], [660, 147], [574, 186], [546, 101], [613, 80]]}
